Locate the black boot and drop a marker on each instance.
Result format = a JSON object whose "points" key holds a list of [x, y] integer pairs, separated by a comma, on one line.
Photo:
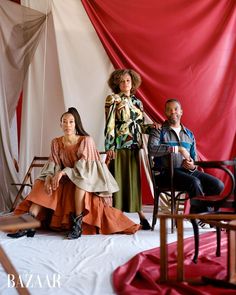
{"points": [[145, 224], [77, 227], [23, 232]]}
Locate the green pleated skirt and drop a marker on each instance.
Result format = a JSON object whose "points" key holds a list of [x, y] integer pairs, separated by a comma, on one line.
{"points": [[126, 170]]}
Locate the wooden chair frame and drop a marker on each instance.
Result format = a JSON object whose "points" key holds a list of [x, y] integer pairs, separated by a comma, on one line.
{"points": [[14, 223], [208, 218], [173, 195], [220, 201], [37, 162]]}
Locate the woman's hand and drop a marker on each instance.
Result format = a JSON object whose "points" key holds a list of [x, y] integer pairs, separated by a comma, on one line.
{"points": [[48, 185], [110, 156], [56, 179]]}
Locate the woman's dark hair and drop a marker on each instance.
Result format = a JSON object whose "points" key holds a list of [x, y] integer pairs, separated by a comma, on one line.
{"points": [[78, 123], [116, 77]]}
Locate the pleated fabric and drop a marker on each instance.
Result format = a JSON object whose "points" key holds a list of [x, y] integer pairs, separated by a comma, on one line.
{"points": [[99, 216], [84, 169], [126, 170]]}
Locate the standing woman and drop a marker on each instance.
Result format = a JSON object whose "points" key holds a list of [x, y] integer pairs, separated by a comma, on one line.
{"points": [[123, 140]]}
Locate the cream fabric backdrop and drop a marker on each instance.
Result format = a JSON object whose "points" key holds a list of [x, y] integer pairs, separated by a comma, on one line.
{"points": [[70, 68], [20, 30]]}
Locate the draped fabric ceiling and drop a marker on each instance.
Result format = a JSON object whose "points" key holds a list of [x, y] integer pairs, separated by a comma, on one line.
{"points": [[182, 49]]}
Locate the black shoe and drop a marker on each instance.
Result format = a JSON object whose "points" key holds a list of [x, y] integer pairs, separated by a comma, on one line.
{"points": [[26, 232], [77, 228], [203, 225], [145, 224]]}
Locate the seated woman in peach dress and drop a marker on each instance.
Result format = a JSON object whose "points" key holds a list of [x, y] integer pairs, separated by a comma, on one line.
{"points": [[76, 187]]}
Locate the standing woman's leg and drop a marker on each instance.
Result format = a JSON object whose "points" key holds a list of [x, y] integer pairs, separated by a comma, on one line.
{"points": [[126, 171]]}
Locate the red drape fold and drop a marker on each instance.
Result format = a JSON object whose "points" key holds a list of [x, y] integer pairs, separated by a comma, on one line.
{"points": [[182, 49], [140, 275]]}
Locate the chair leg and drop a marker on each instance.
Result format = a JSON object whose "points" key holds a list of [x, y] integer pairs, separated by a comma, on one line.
{"points": [[218, 240], [196, 239], [155, 210]]}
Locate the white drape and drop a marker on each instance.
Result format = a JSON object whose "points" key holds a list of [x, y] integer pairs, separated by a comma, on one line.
{"points": [[20, 31], [69, 68]]}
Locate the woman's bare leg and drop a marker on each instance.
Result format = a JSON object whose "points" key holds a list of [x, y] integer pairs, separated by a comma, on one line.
{"points": [[143, 221], [34, 209], [79, 201], [141, 215]]}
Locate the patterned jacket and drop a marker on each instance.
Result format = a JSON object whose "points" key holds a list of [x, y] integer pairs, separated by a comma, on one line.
{"points": [[124, 122]]}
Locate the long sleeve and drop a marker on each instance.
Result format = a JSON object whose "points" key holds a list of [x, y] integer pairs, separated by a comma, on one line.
{"points": [[52, 166], [155, 147], [89, 172], [110, 113]]}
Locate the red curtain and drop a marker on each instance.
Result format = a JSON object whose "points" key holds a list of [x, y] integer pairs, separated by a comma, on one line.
{"points": [[182, 49]]}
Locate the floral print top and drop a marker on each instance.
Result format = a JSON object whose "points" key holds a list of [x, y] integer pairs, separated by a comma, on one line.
{"points": [[124, 122]]}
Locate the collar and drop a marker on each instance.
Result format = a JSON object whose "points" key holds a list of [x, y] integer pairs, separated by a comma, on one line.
{"points": [[167, 126]]}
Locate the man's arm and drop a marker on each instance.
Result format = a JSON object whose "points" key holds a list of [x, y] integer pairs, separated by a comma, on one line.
{"points": [[155, 147], [158, 149]]}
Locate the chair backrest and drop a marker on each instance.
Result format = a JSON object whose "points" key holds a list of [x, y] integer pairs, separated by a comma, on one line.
{"points": [[155, 172], [171, 197], [224, 200], [37, 162]]}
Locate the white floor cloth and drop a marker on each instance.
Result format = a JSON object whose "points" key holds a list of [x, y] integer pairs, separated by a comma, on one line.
{"points": [[80, 267]]}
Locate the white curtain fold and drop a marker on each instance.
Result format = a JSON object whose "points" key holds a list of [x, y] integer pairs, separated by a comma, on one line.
{"points": [[20, 30], [69, 68]]}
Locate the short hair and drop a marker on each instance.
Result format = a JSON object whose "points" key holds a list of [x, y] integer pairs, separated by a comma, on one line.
{"points": [[173, 100], [78, 123], [116, 76]]}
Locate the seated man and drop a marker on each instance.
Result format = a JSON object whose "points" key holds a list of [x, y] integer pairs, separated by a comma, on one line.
{"points": [[176, 138]]}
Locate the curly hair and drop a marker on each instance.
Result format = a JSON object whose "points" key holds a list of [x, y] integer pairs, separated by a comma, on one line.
{"points": [[116, 77]]}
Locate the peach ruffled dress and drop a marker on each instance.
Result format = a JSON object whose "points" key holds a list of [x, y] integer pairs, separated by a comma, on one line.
{"points": [[84, 169]]}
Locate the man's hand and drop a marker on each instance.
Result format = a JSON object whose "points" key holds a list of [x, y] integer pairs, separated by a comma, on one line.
{"points": [[188, 164]]}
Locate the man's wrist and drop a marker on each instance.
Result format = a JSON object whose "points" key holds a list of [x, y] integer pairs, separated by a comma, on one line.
{"points": [[192, 170], [174, 149]]}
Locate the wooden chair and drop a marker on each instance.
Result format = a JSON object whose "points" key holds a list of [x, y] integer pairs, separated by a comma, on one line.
{"points": [[173, 196], [14, 223], [208, 218], [37, 162], [218, 202]]}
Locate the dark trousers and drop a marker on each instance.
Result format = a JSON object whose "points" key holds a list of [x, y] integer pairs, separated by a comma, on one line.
{"points": [[195, 183]]}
